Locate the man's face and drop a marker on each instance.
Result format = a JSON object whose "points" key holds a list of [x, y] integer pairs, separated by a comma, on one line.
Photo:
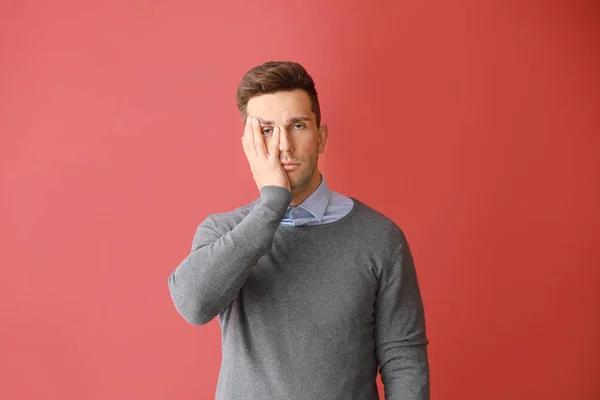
{"points": [[301, 141]]}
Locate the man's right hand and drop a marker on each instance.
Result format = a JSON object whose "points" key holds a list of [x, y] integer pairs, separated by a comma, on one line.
{"points": [[264, 161]]}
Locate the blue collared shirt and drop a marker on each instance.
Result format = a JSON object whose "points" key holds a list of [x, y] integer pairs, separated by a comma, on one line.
{"points": [[323, 206]]}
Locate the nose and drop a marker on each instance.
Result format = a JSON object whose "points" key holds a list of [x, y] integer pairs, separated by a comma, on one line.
{"points": [[285, 142]]}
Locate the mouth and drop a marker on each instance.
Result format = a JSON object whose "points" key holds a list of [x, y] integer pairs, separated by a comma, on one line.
{"points": [[290, 166]]}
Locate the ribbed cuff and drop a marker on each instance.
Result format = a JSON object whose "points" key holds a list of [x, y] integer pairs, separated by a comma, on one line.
{"points": [[276, 198]]}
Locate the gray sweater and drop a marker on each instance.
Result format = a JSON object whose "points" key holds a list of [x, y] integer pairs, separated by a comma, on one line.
{"points": [[310, 312]]}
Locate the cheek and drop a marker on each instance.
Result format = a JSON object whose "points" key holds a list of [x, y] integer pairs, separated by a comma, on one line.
{"points": [[307, 145]]}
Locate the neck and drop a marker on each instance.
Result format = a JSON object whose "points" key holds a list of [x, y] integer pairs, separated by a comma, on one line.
{"points": [[301, 194]]}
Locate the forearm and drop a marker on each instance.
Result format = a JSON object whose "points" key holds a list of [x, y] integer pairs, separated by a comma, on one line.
{"points": [[406, 375], [210, 277]]}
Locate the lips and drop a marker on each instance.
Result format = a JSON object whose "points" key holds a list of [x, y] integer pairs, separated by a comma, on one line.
{"points": [[288, 166]]}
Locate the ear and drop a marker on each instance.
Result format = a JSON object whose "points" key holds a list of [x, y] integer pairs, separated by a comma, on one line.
{"points": [[322, 139]]}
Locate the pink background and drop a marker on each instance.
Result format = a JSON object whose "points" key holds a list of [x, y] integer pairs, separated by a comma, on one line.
{"points": [[473, 124]]}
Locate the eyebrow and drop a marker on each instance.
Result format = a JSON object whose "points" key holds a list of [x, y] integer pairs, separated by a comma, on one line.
{"points": [[290, 121]]}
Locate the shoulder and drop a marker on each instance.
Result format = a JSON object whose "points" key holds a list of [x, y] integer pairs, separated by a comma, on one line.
{"points": [[225, 221], [374, 232], [376, 222]]}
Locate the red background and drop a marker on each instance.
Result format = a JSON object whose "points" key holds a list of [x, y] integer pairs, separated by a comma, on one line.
{"points": [[473, 124]]}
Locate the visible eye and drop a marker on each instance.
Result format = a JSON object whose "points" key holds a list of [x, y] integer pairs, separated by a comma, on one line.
{"points": [[267, 131], [299, 126]]}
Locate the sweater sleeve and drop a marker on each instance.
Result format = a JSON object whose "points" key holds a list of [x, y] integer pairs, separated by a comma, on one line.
{"points": [[211, 276], [401, 340]]}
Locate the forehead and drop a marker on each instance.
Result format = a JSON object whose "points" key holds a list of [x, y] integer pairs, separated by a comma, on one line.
{"points": [[280, 105]]}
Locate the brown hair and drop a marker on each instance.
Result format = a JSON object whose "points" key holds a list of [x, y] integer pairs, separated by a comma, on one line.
{"points": [[276, 76]]}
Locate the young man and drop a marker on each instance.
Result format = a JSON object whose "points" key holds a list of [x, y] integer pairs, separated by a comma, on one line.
{"points": [[314, 290]]}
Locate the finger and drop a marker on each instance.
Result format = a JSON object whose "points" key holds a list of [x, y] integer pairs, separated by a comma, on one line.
{"points": [[274, 145], [259, 140], [248, 138]]}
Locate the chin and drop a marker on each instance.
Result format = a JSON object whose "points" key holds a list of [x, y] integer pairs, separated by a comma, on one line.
{"points": [[295, 184]]}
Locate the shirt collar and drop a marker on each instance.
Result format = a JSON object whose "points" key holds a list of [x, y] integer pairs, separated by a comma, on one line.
{"points": [[317, 202]]}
